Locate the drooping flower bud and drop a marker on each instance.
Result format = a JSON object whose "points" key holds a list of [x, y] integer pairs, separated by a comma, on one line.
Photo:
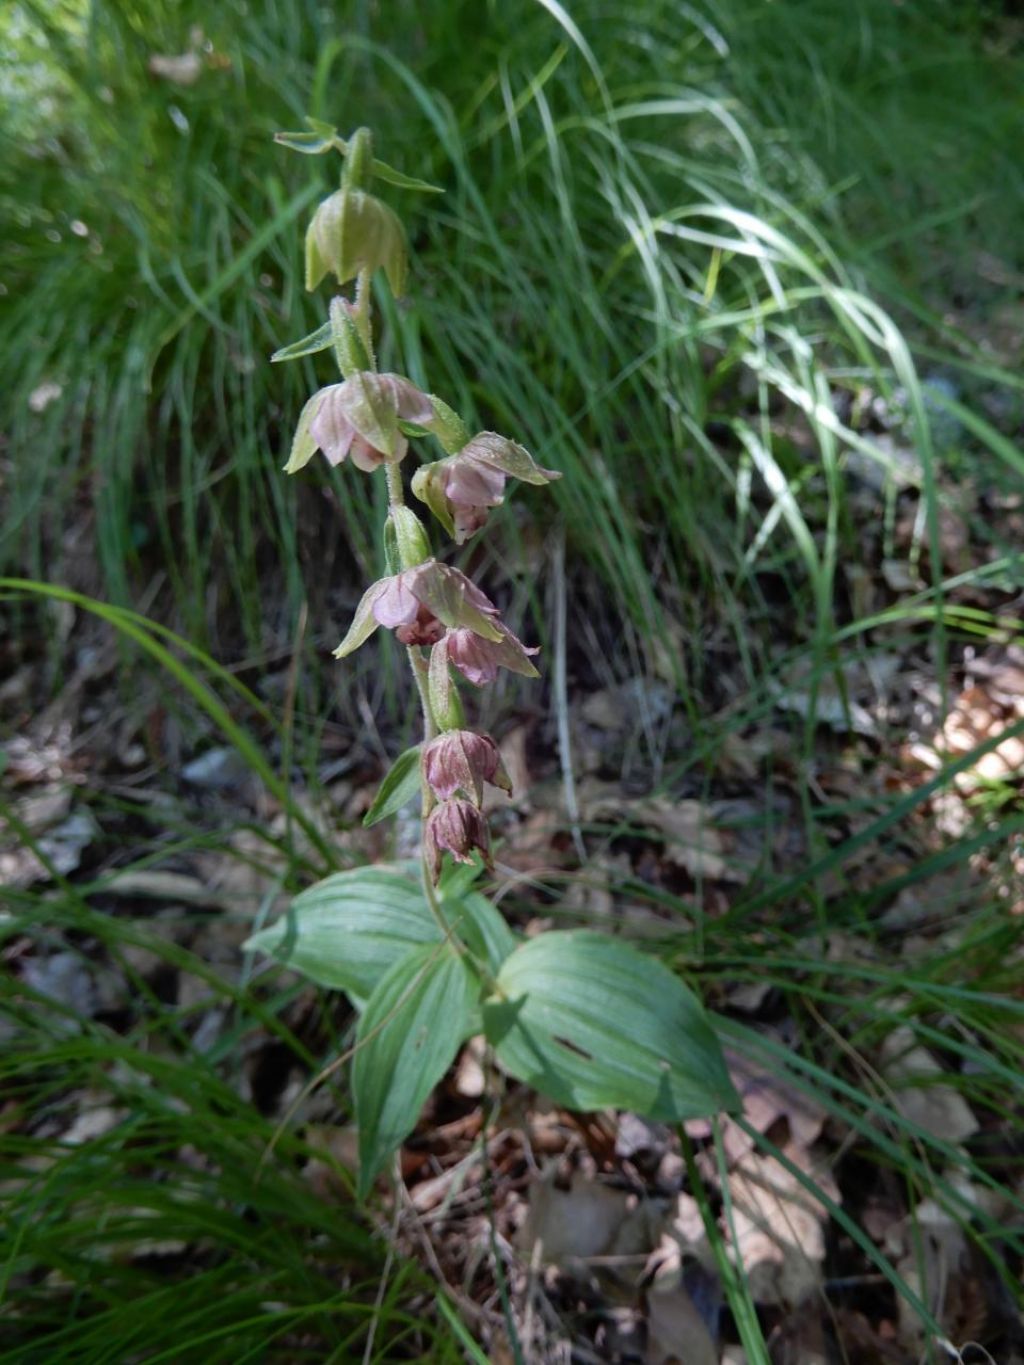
{"points": [[447, 426], [478, 659], [358, 418], [350, 349], [445, 702], [461, 760], [353, 231], [461, 489], [414, 597], [410, 537], [455, 827]]}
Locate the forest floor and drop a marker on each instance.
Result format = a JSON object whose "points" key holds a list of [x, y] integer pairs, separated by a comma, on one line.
{"points": [[566, 1236]]}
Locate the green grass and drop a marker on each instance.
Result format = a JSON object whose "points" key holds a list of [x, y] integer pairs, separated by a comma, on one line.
{"points": [[671, 247]]}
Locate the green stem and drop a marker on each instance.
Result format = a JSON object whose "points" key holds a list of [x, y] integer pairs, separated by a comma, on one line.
{"points": [[396, 493], [363, 313], [396, 498], [430, 895]]}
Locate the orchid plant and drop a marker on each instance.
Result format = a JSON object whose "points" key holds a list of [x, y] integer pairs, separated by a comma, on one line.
{"points": [[427, 960]]}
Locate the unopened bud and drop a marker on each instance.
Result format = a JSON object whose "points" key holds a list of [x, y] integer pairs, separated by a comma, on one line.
{"points": [[410, 537], [353, 231], [358, 169], [458, 828], [445, 702], [462, 760], [349, 347]]}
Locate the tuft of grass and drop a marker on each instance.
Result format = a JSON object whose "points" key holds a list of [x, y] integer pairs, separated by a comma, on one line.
{"points": [[631, 238]]}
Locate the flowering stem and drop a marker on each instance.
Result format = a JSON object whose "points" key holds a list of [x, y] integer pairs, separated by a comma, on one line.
{"points": [[396, 493], [396, 498], [435, 909], [362, 313]]}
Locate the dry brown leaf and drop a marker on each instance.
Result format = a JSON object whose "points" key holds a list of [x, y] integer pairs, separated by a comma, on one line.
{"points": [[767, 1098], [512, 747], [183, 69], [692, 841], [638, 701], [938, 1109], [931, 1248], [779, 1225], [469, 1079], [587, 1220], [154, 884], [975, 718], [676, 1332]]}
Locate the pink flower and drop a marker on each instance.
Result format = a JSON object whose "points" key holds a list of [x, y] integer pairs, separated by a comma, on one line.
{"points": [[470, 488], [455, 827], [359, 418], [479, 659], [461, 489], [417, 602], [461, 760]]}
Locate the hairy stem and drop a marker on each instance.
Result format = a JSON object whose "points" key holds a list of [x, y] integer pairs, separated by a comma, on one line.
{"points": [[396, 493], [363, 313]]}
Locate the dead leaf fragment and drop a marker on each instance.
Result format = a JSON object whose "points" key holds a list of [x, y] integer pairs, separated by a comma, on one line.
{"points": [[676, 1332], [692, 840], [185, 68], [155, 884], [588, 1219], [937, 1109], [779, 1225]]}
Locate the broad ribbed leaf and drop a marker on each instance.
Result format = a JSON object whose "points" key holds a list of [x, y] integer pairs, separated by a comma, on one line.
{"points": [[399, 786], [594, 1024], [419, 1013], [480, 926], [346, 931]]}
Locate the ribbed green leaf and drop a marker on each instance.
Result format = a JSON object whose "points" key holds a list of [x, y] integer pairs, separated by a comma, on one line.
{"points": [[414, 1021], [594, 1024], [346, 931], [480, 926]]}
